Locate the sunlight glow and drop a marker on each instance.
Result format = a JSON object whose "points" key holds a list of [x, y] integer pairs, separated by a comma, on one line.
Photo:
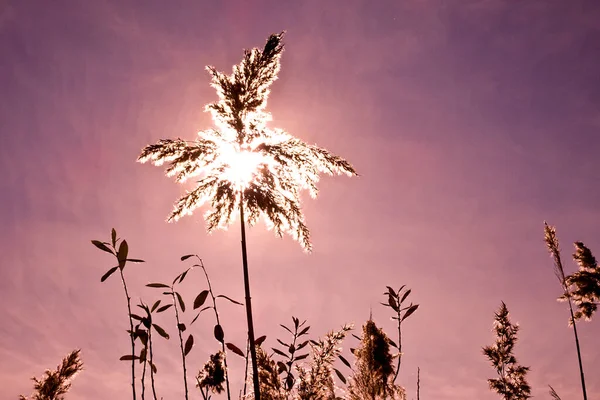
{"points": [[241, 166]]}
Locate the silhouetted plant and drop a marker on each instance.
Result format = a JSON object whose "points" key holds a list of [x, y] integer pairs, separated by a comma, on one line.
{"points": [[553, 393], [418, 383], [584, 284], [55, 384], [554, 248], [315, 382], [271, 387], [211, 377], [395, 300], [121, 255], [373, 374], [246, 166], [145, 336], [512, 383], [290, 351]]}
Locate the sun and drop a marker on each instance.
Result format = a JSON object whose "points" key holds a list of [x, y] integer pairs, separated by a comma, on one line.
{"points": [[241, 166]]}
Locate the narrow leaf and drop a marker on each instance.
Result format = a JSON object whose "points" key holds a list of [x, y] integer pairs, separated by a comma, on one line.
{"points": [[157, 285], [108, 273], [156, 304], [181, 303], [164, 308], [183, 276], [128, 357], [339, 374], [304, 331], [286, 328], [281, 353], [122, 254], [260, 340], [113, 237], [345, 361], [405, 295], [219, 334], [235, 349], [189, 343], [410, 311], [301, 357], [183, 258], [135, 260], [181, 327], [230, 299], [160, 331], [200, 299], [102, 246], [154, 369]]}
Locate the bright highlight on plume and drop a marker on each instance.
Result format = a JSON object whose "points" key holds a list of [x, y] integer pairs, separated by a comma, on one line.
{"points": [[243, 163]]}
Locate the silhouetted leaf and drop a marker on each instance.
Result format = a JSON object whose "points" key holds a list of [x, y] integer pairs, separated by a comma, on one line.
{"points": [[289, 381], [230, 299], [296, 322], [200, 299], [283, 343], [339, 374], [183, 276], [352, 351], [108, 273], [291, 349], [146, 322], [189, 343], [183, 258], [156, 304], [345, 361], [304, 331], [164, 308], [392, 302], [176, 278], [301, 345], [102, 246], [301, 357], [281, 367], [122, 253], [181, 327], [392, 343], [390, 291], [356, 337], [154, 369], [314, 342], [286, 328], [157, 285], [405, 295], [143, 335], [181, 303], [235, 349], [219, 334], [128, 357], [143, 355], [160, 331], [281, 353], [260, 340], [135, 260], [410, 311], [135, 316]]}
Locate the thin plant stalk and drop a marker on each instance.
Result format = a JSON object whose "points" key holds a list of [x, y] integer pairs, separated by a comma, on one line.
{"points": [[131, 333], [180, 342], [553, 246], [214, 300], [418, 383], [255, 376], [144, 377], [151, 363], [246, 367]]}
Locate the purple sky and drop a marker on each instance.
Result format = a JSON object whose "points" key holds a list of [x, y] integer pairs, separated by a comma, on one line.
{"points": [[470, 125]]}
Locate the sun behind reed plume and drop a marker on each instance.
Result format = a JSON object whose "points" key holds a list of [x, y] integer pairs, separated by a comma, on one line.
{"points": [[243, 165]]}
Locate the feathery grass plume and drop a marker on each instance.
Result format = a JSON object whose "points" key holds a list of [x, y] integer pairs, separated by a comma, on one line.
{"points": [[244, 166], [553, 393], [512, 383], [554, 249], [373, 376], [584, 284], [270, 385], [121, 254], [55, 384], [316, 381], [211, 377]]}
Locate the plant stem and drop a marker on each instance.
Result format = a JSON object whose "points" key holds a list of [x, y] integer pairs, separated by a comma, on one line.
{"points": [[578, 351], [180, 342], [214, 300], [248, 302], [144, 376], [131, 334], [418, 382], [399, 342], [151, 362], [246, 368]]}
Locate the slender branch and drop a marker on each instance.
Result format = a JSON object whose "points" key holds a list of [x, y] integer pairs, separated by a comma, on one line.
{"points": [[144, 373], [246, 368], [418, 383], [131, 333], [214, 300], [180, 341]]}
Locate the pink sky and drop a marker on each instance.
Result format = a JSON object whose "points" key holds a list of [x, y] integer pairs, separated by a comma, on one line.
{"points": [[470, 125]]}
